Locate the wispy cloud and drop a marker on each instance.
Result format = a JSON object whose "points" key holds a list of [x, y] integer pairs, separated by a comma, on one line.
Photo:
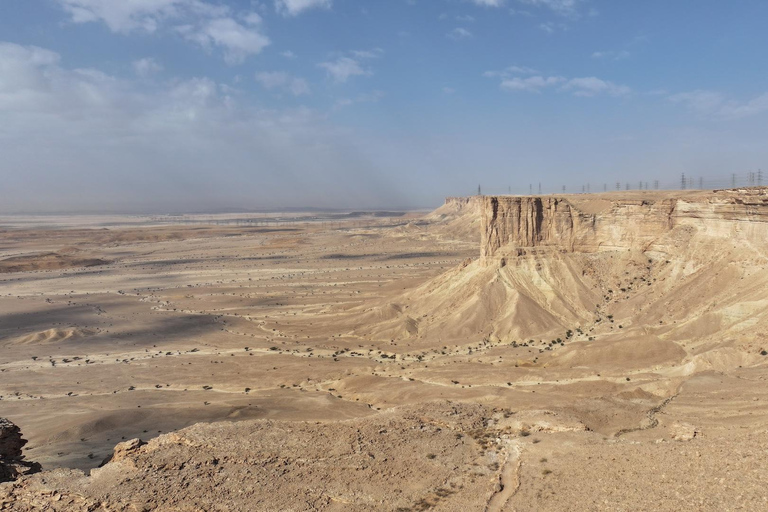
{"points": [[701, 101], [550, 27], [343, 68], [459, 33], [296, 7], [370, 97], [714, 103], [561, 7], [611, 55], [593, 86], [511, 71], [237, 41], [488, 3], [154, 144], [584, 86], [530, 84], [209, 25], [146, 67], [281, 80], [368, 54]]}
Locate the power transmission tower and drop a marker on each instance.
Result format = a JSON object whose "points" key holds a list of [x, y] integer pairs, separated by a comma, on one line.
{"points": [[701, 183], [539, 188], [733, 180], [563, 189], [683, 182], [618, 186], [656, 184], [478, 190], [530, 189], [640, 186], [605, 187], [626, 186], [646, 185], [510, 190]]}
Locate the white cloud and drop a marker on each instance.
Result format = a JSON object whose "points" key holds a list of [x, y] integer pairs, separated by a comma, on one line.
{"points": [[295, 7], [288, 54], [701, 101], [371, 97], [530, 84], [204, 23], [510, 71], [562, 7], [237, 41], [146, 66], [752, 107], [587, 86], [488, 3], [343, 68], [459, 33], [368, 54], [550, 27], [717, 104], [88, 140], [279, 79], [611, 55], [129, 15], [593, 86]]}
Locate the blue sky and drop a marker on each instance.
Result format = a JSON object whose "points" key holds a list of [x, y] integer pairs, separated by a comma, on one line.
{"points": [[170, 105]]}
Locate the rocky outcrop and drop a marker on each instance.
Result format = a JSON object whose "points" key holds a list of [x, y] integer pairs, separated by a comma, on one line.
{"points": [[464, 201], [594, 223], [12, 463]]}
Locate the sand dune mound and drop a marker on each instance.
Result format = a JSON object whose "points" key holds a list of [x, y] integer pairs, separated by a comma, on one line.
{"points": [[540, 294], [54, 336], [622, 352]]}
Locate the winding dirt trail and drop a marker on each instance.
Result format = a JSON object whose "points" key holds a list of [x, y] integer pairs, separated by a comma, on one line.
{"points": [[509, 479]]}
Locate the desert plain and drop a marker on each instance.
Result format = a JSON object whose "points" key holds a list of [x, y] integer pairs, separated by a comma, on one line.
{"points": [[576, 352]]}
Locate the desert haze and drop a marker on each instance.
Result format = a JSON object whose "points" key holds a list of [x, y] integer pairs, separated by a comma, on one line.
{"points": [[557, 352]]}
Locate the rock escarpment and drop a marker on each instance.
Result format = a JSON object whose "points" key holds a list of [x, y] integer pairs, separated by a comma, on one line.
{"points": [[690, 261], [594, 223], [12, 463]]}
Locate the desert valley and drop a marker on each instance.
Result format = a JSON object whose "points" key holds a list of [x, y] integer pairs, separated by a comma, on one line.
{"points": [[558, 352]]}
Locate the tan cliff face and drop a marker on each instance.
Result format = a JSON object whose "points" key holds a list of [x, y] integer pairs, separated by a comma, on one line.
{"points": [[595, 223]]}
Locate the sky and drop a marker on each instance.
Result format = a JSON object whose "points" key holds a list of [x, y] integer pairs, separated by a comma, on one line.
{"points": [[202, 105]]}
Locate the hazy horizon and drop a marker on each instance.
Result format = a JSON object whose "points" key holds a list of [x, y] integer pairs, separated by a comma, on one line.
{"points": [[204, 105]]}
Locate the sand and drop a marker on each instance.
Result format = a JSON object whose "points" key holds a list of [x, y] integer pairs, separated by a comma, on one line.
{"points": [[283, 347]]}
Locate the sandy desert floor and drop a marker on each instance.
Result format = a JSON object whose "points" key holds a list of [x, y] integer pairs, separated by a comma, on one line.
{"points": [[132, 327]]}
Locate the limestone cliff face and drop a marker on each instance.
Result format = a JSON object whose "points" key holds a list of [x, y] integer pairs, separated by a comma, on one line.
{"points": [[602, 222], [530, 222]]}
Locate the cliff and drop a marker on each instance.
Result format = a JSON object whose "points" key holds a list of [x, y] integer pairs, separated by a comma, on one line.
{"points": [[599, 222], [694, 260]]}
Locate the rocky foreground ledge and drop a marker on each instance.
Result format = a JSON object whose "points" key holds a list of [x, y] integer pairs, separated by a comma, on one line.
{"points": [[12, 463]]}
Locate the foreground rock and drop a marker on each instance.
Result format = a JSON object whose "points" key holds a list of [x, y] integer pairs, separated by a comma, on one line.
{"points": [[12, 463]]}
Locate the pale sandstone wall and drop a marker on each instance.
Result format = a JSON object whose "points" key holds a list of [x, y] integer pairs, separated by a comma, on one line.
{"points": [[510, 222]]}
